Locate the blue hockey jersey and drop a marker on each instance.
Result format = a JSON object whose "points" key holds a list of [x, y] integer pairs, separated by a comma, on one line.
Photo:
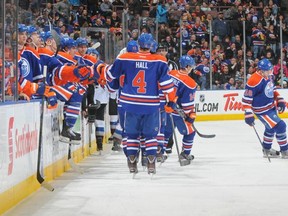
{"points": [[185, 90], [143, 73], [259, 94]]}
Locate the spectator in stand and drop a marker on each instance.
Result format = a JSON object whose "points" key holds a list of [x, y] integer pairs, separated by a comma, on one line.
{"points": [[285, 32], [115, 20], [118, 4], [84, 19], [239, 77], [199, 29], [230, 85], [220, 27], [161, 13], [62, 7], [171, 46], [272, 38], [135, 7], [269, 55], [258, 40], [106, 8], [238, 42], [92, 6], [205, 7], [277, 70], [218, 80]]}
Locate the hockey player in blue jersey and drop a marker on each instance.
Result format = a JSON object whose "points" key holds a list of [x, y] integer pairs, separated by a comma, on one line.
{"points": [[30, 74], [262, 99], [185, 94], [140, 98]]}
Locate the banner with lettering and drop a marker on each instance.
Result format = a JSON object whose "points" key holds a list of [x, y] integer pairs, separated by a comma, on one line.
{"points": [[19, 131]]}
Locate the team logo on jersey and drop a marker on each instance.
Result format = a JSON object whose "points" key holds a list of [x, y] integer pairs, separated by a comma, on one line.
{"points": [[269, 90], [202, 98], [25, 67]]}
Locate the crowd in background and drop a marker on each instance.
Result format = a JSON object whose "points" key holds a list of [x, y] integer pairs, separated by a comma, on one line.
{"points": [[192, 17]]}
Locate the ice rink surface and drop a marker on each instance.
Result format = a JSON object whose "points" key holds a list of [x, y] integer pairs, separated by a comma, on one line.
{"points": [[228, 177]]}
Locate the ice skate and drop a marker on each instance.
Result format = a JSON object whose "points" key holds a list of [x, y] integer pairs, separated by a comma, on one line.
{"points": [[69, 136], [151, 159], [284, 154], [144, 160], [185, 159], [272, 153], [116, 145], [168, 151], [132, 164], [110, 139]]}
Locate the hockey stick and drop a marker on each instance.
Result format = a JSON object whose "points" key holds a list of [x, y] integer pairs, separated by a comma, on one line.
{"points": [[183, 115], [182, 163], [39, 177], [268, 156], [57, 39], [96, 45]]}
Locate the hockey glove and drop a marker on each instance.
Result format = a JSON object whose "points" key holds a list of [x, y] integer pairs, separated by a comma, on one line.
{"points": [[170, 107], [41, 88], [281, 104], [100, 67], [82, 72], [191, 117], [249, 117], [51, 100]]}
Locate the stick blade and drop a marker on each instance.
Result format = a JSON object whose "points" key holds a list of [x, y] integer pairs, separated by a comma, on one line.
{"points": [[56, 37], [96, 45], [207, 135], [47, 186]]}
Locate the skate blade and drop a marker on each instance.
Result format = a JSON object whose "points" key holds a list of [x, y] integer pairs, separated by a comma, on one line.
{"points": [[184, 162], [67, 140], [134, 175], [151, 175], [271, 156]]}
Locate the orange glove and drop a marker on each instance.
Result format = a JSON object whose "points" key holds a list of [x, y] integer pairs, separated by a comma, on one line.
{"points": [[170, 106], [190, 118], [100, 67]]}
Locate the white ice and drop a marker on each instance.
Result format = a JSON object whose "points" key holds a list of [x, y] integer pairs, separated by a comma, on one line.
{"points": [[229, 177]]}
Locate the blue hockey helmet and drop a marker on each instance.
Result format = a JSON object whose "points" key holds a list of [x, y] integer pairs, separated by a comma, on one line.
{"points": [[22, 28], [46, 35], [132, 46], [92, 51], [31, 30], [185, 61], [68, 42], [145, 41], [264, 65], [81, 41], [154, 46]]}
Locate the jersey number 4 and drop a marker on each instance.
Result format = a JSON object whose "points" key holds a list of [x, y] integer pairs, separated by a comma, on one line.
{"points": [[139, 82]]}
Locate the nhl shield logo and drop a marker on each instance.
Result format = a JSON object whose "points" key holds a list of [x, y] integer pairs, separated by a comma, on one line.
{"points": [[202, 98]]}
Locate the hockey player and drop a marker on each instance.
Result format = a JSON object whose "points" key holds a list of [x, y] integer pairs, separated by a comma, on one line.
{"points": [[162, 49], [68, 80], [262, 99], [82, 46], [65, 91], [117, 85], [30, 76], [140, 98], [185, 94]]}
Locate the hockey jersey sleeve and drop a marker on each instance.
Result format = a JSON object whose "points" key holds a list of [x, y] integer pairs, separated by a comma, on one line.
{"points": [[249, 92], [165, 81]]}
